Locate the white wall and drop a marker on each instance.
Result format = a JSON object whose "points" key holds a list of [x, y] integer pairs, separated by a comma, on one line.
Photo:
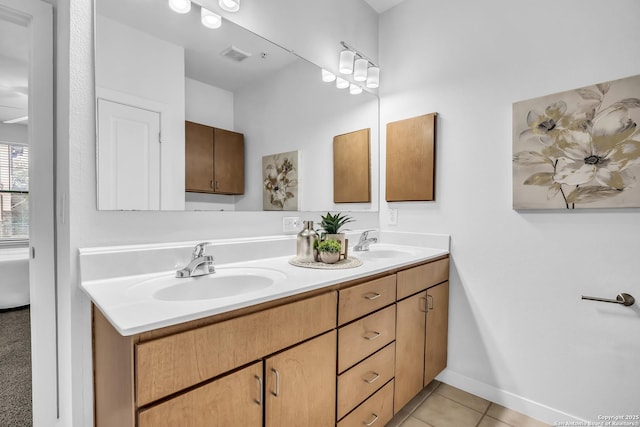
{"points": [[14, 133], [294, 110], [156, 83], [81, 225], [519, 333]]}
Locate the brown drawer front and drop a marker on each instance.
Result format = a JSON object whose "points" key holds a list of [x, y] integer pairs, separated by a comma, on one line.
{"points": [[360, 300], [170, 364], [361, 381], [376, 411], [420, 278], [231, 400], [363, 337]]}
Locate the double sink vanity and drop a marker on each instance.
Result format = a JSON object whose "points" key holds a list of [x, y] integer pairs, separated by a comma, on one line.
{"points": [[261, 342]]}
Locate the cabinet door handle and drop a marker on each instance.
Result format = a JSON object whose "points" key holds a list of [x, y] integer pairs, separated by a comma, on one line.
{"points": [[372, 379], [371, 335], [372, 295], [216, 185], [277, 374], [212, 186], [261, 393], [370, 423], [426, 305], [430, 302]]}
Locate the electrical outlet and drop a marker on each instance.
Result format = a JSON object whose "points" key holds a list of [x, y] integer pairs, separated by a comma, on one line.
{"points": [[393, 216], [291, 224]]}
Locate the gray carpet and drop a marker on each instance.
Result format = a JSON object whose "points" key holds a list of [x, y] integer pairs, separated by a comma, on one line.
{"points": [[15, 368]]}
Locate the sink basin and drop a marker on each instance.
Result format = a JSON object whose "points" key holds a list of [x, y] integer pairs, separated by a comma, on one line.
{"points": [[382, 251], [224, 283]]}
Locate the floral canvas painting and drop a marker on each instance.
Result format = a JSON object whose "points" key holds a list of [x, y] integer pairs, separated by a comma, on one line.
{"points": [[280, 182], [578, 149]]}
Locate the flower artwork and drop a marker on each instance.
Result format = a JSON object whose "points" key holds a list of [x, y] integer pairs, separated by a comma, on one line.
{"points": [[280, 182], [578, 149]]}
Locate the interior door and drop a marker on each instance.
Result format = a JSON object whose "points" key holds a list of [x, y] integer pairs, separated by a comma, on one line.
{"points": [[128, 157]]}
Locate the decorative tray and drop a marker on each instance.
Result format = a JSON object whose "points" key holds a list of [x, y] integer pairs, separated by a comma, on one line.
{"points": [[343, 263]]}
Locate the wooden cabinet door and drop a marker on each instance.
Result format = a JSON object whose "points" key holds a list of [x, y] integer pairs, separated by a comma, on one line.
{"points": [[198, 158], [410, 338], [233, 400], [228, 158], [300, 385], [437, 330]]}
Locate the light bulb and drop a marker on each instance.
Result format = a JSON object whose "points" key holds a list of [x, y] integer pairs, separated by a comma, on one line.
{"points": [[355, 89], [346, 61], [229, 5], [373, 77], [180, 6], [341, 83], [210, 19], [360, 70], [328, 76]]}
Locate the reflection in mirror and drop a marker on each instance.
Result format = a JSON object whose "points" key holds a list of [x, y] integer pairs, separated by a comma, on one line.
{"points": [[156, 69]]}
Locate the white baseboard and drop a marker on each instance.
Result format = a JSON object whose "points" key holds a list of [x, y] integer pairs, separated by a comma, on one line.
{"points": [[509, 400]]}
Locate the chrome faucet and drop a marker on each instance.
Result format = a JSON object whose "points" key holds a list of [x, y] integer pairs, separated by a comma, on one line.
{"points": [[365, 241], [200, 263]]}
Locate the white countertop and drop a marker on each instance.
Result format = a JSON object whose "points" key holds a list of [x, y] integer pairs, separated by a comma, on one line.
{"points": [[131, 311]]}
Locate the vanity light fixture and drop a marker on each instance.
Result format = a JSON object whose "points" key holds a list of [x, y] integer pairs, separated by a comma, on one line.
{"points": [[373, 77], [229, 5], [360, 70], [180, 6], [328, 76], [210, 19], [355, 89], [342, 83], [346, 61]]}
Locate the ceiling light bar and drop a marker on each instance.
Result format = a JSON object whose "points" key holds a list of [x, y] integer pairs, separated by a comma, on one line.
{"points": [[229, 5], [180, 6]]}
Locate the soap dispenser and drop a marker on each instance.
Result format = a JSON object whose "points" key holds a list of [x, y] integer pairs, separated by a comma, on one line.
{"points": [[306, 242]]}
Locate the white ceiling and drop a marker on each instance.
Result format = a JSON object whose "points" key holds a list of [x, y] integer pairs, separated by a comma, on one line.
{"points": [[383, 5]]}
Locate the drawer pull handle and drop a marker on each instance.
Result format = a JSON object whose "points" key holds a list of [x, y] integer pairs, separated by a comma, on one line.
{"points": [[426, 305], [373, 379], [430, 300], [277, 374], [261, 398], [371, 335], [370, 423], [372, 295]]}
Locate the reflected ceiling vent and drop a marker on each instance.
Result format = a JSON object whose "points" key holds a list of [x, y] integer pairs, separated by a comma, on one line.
{"points": [[235, 54]]}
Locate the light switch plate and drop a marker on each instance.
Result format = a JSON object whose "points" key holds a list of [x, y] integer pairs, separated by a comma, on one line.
{"points": [[291, 224]]}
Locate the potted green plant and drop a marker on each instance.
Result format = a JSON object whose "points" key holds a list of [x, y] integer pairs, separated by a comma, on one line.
{"points": [[329, 251], [332, 224]]}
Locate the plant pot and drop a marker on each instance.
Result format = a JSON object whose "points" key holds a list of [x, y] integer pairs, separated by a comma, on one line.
{"points": [[341, 238], [329, 257]]}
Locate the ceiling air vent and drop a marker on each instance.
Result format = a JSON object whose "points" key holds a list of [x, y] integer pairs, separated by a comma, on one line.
{"points": [[235, 54]]}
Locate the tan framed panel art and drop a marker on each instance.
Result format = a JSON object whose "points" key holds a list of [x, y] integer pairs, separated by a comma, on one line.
{"points": [[351, 167], [411, 159]]}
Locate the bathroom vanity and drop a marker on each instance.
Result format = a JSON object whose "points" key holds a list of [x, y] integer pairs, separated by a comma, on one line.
{"points": [[352, 347]]}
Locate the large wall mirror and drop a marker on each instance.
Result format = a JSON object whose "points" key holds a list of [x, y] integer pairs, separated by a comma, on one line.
{"points": [[156, 69]]}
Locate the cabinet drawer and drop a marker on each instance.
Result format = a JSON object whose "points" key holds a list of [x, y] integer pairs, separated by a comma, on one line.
{"points": [[363, 299], [361, 338], [420, 278], [376, 411], [364, 379], [231, 400], [170, 364]]}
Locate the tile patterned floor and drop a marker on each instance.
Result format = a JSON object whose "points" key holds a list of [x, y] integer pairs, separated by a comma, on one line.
{"points": [[441, 405]]}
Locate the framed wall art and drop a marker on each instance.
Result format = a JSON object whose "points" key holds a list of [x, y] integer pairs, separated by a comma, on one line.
{"points": [[579, 148]]}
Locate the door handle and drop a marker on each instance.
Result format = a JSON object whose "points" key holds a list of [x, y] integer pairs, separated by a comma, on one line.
{"points": [[277, 374], [622, 298]]}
